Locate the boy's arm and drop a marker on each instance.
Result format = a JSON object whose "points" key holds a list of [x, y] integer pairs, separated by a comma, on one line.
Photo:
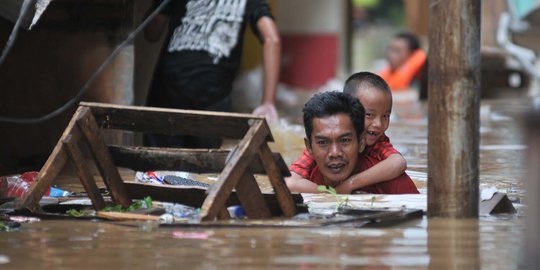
{"points": [[297, 183], [386, 170]]}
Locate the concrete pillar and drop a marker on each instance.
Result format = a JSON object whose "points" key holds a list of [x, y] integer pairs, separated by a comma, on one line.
{"points": [[454, 87]]}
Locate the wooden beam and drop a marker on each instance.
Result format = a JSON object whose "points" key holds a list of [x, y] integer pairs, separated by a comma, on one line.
{"points": [[80, 163], [52, 167], [454, 101], [278, 183], [234, 170], [177, 159], [103, 158], [173, 121], [251, 198]]}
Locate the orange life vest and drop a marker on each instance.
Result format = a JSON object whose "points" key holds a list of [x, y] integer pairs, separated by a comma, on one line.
{"points": [[402, 77]]}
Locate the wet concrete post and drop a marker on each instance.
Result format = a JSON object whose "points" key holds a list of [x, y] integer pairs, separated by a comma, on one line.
{"points": [[532, 185], [454, 100]]}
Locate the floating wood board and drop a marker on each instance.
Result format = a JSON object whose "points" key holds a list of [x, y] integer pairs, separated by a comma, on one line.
{"points": [[82, 143], [375, 219], [117, 216]]}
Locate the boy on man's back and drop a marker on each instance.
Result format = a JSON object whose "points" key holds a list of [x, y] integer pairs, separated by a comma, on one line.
{"points": [[382, 168]]}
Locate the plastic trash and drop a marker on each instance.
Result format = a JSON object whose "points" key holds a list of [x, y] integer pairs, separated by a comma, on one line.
{"points": [[18, 185], [148, 177], [169, 178], [236, 211], [177, 212]]}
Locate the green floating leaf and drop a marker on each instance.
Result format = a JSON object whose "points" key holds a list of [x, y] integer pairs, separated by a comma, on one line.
{"points": [[327, 189], [3, 226], [322, 188], [74, 213], [145, 203], [332, 190], [113, 208], [148, 201]]}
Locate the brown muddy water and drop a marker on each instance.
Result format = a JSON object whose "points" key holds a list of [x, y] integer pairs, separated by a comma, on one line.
{"points": [[492, 242]]}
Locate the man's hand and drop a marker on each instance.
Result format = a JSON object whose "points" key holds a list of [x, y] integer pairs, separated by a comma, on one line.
{"points": [[346, 187], [297, 183], [267, 110]]}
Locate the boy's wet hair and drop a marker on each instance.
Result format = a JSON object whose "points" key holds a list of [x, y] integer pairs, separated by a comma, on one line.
{"points": [[412, 40], [365, 80], [331, 103]]}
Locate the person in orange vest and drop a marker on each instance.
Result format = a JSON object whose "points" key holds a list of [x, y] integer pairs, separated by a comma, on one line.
{"points": [[405, 61]]}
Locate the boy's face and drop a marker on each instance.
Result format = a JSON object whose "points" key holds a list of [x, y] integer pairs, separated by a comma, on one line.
{"points": [[334, 145], [378, 106]]}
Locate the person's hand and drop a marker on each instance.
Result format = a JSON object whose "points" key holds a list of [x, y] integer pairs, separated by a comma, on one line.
{"points": [[345, 188], [267, 110]]}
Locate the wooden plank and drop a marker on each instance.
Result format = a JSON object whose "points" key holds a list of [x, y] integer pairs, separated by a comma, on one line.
{"points": [[176, 159], [80, 163], [454, 108], [118, 216], [52, 167], [103, 158], [251, 198], [278, 183], [194, 196], [173, 121], [223, 213], [234, 170]]}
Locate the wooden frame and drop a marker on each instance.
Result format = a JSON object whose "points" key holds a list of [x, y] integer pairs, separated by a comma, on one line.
{"points": [[83, 142]]}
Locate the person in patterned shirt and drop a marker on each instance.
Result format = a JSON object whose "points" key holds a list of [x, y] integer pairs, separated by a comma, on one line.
{"points": [[381, 168]]}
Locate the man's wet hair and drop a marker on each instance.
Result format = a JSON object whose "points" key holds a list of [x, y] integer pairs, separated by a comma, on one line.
{"points": [[331, 103], [365, 80], [412, 40]]}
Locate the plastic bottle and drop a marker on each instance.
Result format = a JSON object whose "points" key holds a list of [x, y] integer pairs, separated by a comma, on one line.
{"points": [[18, 185]]}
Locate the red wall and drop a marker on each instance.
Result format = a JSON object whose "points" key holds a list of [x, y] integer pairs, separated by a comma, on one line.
{"points": [[309, 60]]}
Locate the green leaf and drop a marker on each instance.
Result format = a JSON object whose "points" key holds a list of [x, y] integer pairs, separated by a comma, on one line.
{"points": [[327, 189], [134, 206], [3, 226], [113, 208], [322, 188], [74, 213], [332, 190], [148, 201], [145, 203]]}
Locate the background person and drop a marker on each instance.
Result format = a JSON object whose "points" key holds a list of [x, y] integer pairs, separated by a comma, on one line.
{"points": [[405, 61], [201, 58]]}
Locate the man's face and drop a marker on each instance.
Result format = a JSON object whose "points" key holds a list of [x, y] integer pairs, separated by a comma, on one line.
{"points": [[334, 145], [378, 106], [398, 52]]}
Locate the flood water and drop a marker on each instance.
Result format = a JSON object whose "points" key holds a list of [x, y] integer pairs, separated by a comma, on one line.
{"points": [[492, 242]]}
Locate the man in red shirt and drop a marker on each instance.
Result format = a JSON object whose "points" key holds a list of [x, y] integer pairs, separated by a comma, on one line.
{"points": [[381, 168]]}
